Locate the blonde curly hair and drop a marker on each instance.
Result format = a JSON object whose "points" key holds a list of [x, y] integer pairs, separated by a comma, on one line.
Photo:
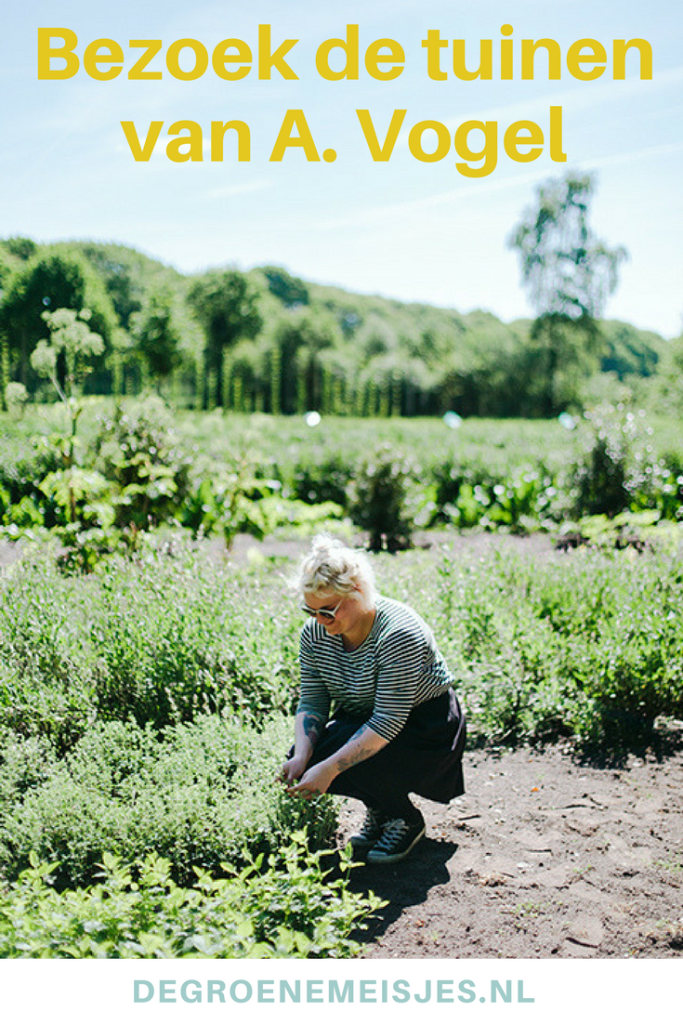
{"points": [[331, 566]]}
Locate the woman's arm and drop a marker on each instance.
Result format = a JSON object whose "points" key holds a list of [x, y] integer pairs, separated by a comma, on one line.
{"points": [[312, 713], [362, 745], [397, 679], [308, 727]]}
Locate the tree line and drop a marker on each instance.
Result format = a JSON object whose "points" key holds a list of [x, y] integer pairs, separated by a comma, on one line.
{"points": [[265, 340]]}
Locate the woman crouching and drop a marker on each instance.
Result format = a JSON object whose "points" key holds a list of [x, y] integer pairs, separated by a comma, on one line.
{"points": [[377, 717]]}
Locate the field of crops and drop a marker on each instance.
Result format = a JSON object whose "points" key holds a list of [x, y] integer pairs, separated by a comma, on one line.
{"points": [[147, 684], [96, 478]]}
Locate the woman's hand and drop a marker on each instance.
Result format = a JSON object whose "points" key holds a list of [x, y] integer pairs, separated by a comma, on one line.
{"points": [[315, 781], [293, 768]]}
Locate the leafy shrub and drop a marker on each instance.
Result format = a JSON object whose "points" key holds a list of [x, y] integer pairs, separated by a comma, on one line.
{"points": [[470, 495], [16, 397], [140, 912], [450, 477], [381, 499], [27, 514], [229, 500], [24, 764], [197, 795], [588, 644], [23, 464], [45, 668], [142, 455], [172, 645], [323, 477], [160, 638], [492, 474], [237, 502], [614, 464], [508, 661], [541, 644], [633, 672], [523, 500], [658, 486]]}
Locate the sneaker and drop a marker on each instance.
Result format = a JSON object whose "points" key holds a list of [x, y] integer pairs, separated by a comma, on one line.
{"points": [[398, 839], [370, 831]]}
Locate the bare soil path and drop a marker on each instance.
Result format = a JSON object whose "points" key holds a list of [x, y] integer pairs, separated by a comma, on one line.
{"points": [[543, 857]]}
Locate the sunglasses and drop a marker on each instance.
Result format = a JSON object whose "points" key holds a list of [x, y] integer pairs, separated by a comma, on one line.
{"points": [[327, 614]]}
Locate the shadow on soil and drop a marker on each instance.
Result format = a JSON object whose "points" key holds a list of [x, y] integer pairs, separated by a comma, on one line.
{"points": [[402, 885], [625, 736], [660, 742]]}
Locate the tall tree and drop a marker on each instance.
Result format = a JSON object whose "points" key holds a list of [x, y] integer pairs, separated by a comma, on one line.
{"points": [[226, 306], [157, 334], [291, 291], [569, 274], [52, 279], [299, 339], [129, 276]]}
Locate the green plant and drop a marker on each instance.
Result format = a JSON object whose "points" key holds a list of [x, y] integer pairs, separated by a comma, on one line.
{"points": [[140, 912], [569, 274], [587, 643], [600, 476], [196, 794], [615, 467], [232, 502], [66, 359], [324, 477], [16, 397], [146, 463], [161, 636], [381, 499]]}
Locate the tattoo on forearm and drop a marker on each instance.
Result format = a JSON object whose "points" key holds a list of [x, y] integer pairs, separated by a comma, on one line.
{"points": [[313, 726], [361, 754]]}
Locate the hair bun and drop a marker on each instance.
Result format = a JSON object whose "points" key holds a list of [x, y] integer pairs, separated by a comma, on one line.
{"points": [[331, 565]]}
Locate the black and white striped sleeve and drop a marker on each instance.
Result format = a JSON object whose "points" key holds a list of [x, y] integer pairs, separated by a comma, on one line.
{"points": [[314, 694], [398, 678]]}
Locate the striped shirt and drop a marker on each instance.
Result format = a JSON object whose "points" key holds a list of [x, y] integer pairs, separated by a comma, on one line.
{"points": [[397, 667]]}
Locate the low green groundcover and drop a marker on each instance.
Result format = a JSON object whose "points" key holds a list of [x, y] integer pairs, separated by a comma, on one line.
{"points": [[288, 910]]}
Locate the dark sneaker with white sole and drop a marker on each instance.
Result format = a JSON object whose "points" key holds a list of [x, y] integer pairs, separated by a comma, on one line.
{"points": [[370, 831], [398, 839]]}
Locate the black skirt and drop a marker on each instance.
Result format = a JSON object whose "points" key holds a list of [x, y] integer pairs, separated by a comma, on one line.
{"points": [[425, 758]]}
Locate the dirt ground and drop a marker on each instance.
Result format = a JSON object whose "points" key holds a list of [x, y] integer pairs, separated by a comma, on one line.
{"points": [[543, 857]]}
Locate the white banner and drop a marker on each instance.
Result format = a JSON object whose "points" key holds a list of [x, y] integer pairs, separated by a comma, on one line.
{"points": [[160, 992]]}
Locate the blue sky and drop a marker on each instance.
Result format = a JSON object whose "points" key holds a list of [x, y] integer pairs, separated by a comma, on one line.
{"points": [[407, 229]]}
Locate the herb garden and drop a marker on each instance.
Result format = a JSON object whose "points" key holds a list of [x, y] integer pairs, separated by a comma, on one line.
{"points": [[147, 682]]}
